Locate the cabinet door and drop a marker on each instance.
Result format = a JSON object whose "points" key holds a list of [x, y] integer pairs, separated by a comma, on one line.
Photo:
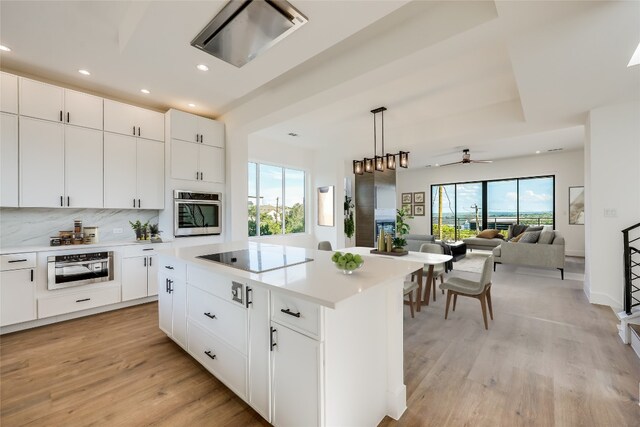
{"points": [[212, 132], [119, 171], [184, 126], [179, 292], [82, 109], [259, 372], [17, 296], [83, 155], [165, 305], [151, 124], [184, 160], [41, 163], [150, 174], [152, 275], [8, 160], [41, 100], [134, 278], [9, 91], [120, 118], [211, 164], [296, 378]]}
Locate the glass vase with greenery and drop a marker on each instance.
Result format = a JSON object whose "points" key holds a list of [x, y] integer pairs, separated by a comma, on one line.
{"points": [[349, 224]]}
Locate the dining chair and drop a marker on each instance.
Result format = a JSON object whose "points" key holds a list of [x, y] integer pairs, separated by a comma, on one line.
{"points": [[438, 269], [409, 287], [325, 246], [481, 290]]}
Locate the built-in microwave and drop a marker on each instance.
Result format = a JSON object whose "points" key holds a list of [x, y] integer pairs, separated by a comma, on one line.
{"points": [[197, 214], [65, 271]]}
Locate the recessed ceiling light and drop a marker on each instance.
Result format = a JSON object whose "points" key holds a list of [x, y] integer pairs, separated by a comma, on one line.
{"points": [[145, 91], [191, 105], [537, 151], [202, 67], [635, 59], [4, 48], [437, 164], [84, 72]]}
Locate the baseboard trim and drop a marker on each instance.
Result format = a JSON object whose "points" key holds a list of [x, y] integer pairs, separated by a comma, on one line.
{"points": [[604, 299], [574, 253], [76, 314]]}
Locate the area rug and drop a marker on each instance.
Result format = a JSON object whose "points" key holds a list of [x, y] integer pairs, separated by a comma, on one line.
{"points": [[472, 262]]}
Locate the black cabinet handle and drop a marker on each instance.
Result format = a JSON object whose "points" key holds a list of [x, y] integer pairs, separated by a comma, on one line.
{"points": [[201, 138], [83, 300], [249, 301], [272, 342], [148, 249], [210, 316], [145, 261], [168, 267], [201, 176], [61, 201], [197, 176], [17, 260], [134, 203], [211, 356], [68, 201], [289, 312], [134, 131], [138, 203], [60, 115], [170, 286], [138, 130], [166, 285], [67, 117], [32, 275], [150, 261]]}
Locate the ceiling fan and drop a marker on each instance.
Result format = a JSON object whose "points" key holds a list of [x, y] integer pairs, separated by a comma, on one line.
{"points": [[466, 159]]}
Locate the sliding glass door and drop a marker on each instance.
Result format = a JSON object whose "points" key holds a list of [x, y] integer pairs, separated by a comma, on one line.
{"points": [[502, 204]]}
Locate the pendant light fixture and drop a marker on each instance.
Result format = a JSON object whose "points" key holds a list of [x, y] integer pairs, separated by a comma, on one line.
{"points": [[379, 163]]}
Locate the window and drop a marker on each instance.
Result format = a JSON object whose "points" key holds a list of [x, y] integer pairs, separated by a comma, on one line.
{"points": [[276, 200], [461, 210]]}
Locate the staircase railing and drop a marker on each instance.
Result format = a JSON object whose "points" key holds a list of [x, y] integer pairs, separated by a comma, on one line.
{"points": [[631, 268]]}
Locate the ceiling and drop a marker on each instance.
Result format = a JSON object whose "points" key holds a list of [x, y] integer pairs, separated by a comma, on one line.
{"points": [[503, 78]]}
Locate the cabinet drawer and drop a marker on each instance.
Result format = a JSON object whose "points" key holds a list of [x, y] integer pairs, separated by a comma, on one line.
{"points": [[300, 315], [227, 364], [17, 261], [222, 318], [217, 284], [139, 250], [55, 305], [172, 268]]}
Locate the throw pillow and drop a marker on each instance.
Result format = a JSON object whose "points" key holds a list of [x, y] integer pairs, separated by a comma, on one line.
{"points": [[517, 238], [530, 237], [546, 237], [488, 234], [536, 228], [516, 230]]}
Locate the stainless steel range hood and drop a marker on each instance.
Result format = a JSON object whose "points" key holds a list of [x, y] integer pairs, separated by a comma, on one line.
{"points": [[245, 28]]}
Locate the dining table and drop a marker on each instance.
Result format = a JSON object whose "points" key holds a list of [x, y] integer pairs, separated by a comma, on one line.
{"points": [[429, 260]]}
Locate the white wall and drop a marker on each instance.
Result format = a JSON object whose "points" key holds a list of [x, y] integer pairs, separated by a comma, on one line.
{"points": [[568, 168], [329, 171], [612, 167]]}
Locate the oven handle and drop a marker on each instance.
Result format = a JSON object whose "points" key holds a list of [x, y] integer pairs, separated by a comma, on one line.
{"points": [[67, 264], [197, 202]]}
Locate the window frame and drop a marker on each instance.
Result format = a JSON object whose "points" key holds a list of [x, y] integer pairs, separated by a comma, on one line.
{"points": [[257, 197]]}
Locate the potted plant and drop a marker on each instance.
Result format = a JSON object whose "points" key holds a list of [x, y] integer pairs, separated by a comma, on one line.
{"points": [[155, 233], [402, 228], [349, 224], [141, 230]]}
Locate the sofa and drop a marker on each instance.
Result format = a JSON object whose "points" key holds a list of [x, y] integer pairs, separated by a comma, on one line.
{"points": [[548, 252], [485, 240]]}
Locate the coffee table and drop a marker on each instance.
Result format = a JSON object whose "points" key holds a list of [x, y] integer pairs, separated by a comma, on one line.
{"points": [[458, 250]]}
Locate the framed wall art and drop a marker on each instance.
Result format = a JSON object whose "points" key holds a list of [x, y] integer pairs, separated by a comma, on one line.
{"points": [[406, 198], [418, 197], [576, 205], [418, 210]]}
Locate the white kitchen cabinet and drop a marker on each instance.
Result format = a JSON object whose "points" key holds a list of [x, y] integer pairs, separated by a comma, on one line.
{"points": [[17, 289], [8, 160], [197, 162], [139, 277], [259, 393], [41, 163], [41, 100], [172, 303], [9, 93], [130, 120], [82, 109], [133, 172], [68, 302], [191, 128], [296, 362], [83, 165]]}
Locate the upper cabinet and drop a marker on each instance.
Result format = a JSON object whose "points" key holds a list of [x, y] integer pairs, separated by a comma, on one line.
{"points": [[9, 93], [192, 128], [8, 160], [48, 102], [129, 120], [41, 100]]}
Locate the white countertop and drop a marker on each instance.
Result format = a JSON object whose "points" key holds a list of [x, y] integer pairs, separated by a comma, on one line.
{"points": [[318, 281], [43, 248]]}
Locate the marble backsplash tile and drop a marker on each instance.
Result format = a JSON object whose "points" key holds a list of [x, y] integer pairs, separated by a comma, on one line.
{"points": [[34, 226]]}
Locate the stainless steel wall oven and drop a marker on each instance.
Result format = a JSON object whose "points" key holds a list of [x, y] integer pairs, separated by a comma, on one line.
{"points": [[197, 214]]}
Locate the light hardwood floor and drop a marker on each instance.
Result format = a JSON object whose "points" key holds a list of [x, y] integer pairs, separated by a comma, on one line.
{"points": [[549, 358]]}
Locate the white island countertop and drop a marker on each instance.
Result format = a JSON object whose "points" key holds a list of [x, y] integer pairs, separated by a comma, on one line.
{"points": [[318, 281]]}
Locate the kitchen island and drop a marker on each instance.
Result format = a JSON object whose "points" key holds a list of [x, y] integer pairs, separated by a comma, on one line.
{"points": [[303, 344]]}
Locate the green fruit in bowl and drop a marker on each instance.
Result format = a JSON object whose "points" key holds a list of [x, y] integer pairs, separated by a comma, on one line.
{"points": [[357, 259], [348, 256], [351, 265], [336, 256]]}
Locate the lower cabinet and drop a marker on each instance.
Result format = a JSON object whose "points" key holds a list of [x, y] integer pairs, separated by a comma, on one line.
{"points": [[76, 301], [139, 277], [172, 310], [296, 361], [17, 289]]}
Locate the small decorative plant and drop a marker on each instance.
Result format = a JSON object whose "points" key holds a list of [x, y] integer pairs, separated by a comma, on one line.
{"points": [[141, 230], [349, 224], [155, 232], [402, 228]]}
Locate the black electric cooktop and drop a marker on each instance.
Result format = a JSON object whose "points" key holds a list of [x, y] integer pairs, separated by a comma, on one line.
{"points": [[257, 261]]}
